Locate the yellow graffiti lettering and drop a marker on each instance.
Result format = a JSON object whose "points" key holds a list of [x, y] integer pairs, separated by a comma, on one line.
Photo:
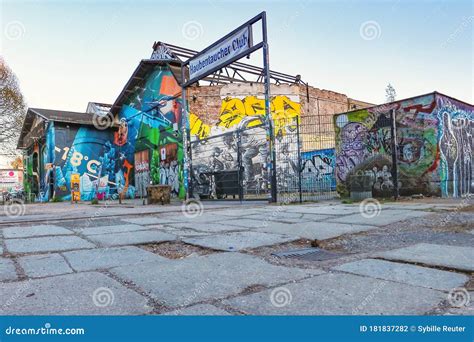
{"points": [[197, 127], [234, 110]]}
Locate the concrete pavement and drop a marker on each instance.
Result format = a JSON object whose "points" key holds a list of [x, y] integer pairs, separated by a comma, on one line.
{"points": [[121, 261]]}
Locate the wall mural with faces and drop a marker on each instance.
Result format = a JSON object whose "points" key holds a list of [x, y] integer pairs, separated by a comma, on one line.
{"points": [[434, 147], [456, 142]]}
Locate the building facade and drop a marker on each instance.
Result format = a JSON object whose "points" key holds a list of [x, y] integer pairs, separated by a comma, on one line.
{"points": [[141, 143]]}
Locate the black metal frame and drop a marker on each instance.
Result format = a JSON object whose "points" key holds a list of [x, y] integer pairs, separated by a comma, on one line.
{"points": [[264, 75]]}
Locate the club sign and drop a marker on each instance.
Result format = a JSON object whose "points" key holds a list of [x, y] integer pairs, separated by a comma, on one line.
{"points": [[219, 54]]}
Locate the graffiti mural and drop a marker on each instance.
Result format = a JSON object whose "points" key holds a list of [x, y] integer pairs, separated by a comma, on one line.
{"points": [[318, 167], [237, 142], [248, 111], [434, 150], [88, 152], [456, 128], [150, 119], [145, 147], [243, 149]]}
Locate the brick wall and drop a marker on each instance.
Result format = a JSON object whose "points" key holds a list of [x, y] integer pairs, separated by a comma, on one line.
{"points": [[316, 124]]}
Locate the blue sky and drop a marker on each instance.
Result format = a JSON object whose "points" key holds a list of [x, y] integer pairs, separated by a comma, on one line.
{"points": [[66, 53]]}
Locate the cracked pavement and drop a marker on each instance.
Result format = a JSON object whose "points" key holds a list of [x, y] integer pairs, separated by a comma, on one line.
{"points": [[404, 258]]}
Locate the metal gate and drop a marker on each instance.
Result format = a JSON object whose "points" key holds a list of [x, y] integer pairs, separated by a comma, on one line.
{"points": [[305, 160], [231, 165]]}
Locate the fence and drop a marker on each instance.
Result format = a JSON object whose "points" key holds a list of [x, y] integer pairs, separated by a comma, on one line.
{"points": [[232, 165]]}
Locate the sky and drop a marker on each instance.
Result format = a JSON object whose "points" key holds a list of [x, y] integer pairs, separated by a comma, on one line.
{"points": [[67, 53]]}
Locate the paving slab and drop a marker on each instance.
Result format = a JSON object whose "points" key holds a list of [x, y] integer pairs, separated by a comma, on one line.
{"points": [[7, 269], [180, 231], [323, 209], [198, 310], [101, 258], [40, 230], [384, 217], [111, 229], [460, 258], [286, 218], [238, 241], [340, 294], [250, 223], [88, 293], [132, 238], [192, 280], [46, 244], [239, 212], [404, 273], [204, 218], [315, 230], [44, 265], [211, 227], [148, 220]]}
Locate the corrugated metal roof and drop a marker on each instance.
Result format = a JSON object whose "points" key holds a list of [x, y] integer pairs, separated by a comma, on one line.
{"points": [[68, 117], [64, 116]]}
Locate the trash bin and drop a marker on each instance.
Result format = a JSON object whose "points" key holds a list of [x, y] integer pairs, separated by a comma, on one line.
{"points": [[158, 194]]}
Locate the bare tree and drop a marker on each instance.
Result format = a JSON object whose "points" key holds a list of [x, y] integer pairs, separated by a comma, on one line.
{"points": [[12, 110], [390, 93]]}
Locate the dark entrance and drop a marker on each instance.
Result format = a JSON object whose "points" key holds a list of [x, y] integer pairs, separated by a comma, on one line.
{"points": [[231, 165]]}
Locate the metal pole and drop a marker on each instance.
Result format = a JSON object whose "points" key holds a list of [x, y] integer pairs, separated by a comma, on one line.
{"points": [[239, 165], [271, 164], [393, 132], [299, 156], [187, 162]]}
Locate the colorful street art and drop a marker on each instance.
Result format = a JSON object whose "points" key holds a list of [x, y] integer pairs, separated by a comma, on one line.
{"points": [[456, 128], [249, 111], [150, 120], [88, 152], [434, 152], [115, 161], [318, 167], [237, 140]]}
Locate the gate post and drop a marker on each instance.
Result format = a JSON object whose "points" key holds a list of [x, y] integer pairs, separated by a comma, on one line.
{"points": [[393, 132], [271, 158], [299, 156], [239, 164], [187, 155]]}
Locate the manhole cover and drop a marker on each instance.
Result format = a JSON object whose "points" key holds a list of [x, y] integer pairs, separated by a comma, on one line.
{"points": [[311, 254]]}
